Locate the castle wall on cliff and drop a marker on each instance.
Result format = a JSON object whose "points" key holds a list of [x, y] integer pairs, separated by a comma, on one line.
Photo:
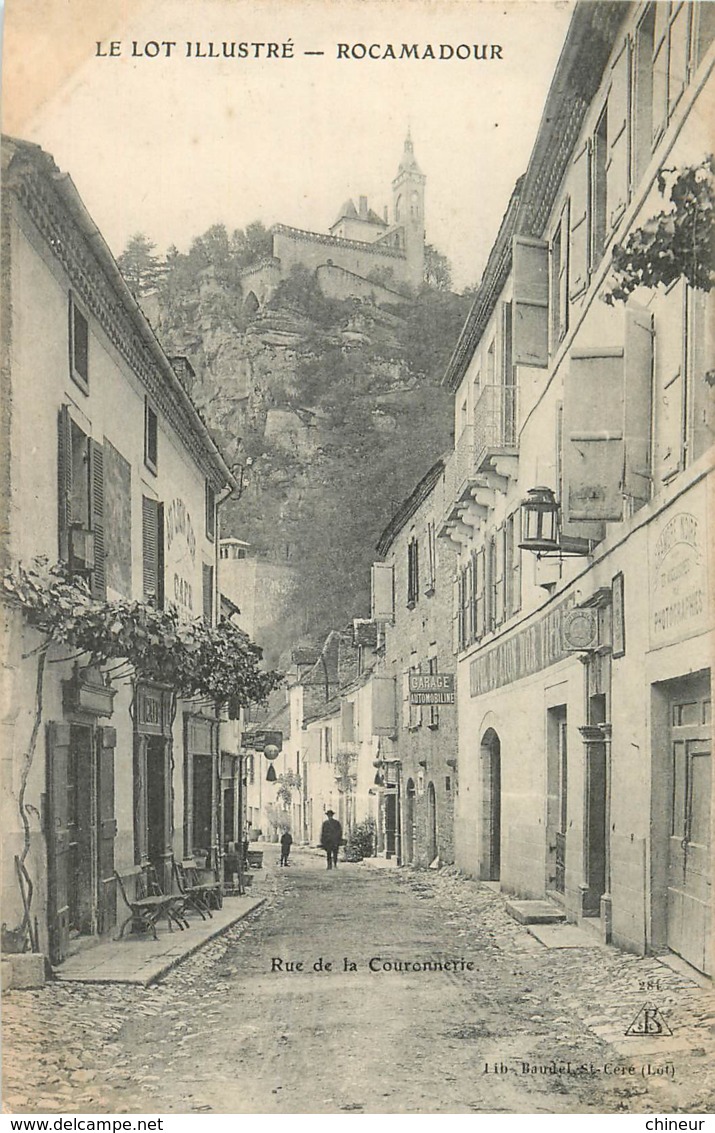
{"points": [[360, 244]]}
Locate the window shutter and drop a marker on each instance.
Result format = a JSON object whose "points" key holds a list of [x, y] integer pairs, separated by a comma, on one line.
{"points": [[474, 596], [207, 578], [406, 706], [530, 307], [347, 721], [481, 599], [660, 71], [678, 55], [153, 551], [431, 560], [617, 167], [579, 235], [96, 518], [383, 598], [638, 371], [563, 270], [456, 611], [383, 706], [669, 385], [64, 481], [58, 842], [593, 458], [516, 563], [107, 827]]}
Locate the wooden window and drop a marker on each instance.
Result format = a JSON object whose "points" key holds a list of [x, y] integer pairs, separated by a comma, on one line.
{"points": [[80, 493], [560, 280], [382, 593], [516, 562], [98, 577], [328, 745], [210, 512], [679, 48], [618, 138], [530, 308], [151, 437], [500, 577], [599, 162], [703, 30], [383, 705], [642, 132], [491, 584], [431, 579], [347, 721], [604, 466], [480, 597], [700, 354], [413, 573], [490, 369], [207, 578], [474, 597], [153, 551], [670, 386], [78, 346], [579, 249]]}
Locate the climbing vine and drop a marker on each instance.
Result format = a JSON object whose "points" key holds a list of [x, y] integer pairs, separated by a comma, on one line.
{"points": [[678, 243], [219, 664]]}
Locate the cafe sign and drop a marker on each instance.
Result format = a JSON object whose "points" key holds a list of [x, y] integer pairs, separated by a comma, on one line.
{"points": [[431, 688], [260, 740]]}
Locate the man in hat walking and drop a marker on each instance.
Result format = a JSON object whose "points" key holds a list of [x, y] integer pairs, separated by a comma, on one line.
{"points": [[331, 836]]}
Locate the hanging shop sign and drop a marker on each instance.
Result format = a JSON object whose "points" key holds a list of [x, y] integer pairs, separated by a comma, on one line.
{"points": [[259, 741], [432, 688]]}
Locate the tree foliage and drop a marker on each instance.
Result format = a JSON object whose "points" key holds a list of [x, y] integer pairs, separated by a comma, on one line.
{"points": [[438, 270], [678, 243]]}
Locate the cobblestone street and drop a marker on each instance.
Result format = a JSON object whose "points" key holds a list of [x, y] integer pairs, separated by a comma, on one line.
{"points": [[224, 1032]]}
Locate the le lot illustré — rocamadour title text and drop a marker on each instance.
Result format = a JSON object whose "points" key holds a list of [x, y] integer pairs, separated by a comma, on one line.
{"points": [[253, 49]]}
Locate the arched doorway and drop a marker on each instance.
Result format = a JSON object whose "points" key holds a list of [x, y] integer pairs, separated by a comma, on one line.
{"points": [[491, 806], [431, 823], [409, 822]]}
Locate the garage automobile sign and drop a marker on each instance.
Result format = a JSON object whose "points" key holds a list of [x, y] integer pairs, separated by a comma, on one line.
{"points": [[432, 688]]}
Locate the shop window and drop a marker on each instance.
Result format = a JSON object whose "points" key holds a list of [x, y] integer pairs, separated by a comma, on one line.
{"points": [[151, 437], [153, 551], [78, 346]]}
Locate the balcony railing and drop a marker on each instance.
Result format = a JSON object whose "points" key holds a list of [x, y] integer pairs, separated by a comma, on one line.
{"points": [[458, 472], [495, 422]]}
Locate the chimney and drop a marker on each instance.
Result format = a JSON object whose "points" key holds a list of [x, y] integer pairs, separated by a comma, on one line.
{"points": [[363, 208]]}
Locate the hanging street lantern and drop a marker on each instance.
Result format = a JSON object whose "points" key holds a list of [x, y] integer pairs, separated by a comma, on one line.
{"points": [[540, 522], [271, 774]]}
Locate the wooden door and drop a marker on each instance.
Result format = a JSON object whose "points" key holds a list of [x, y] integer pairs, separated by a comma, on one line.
{"points": [[689, 859], [58, 863], [106, 830]]}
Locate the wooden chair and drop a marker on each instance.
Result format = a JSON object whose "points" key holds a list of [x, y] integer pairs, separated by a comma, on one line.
{"points": [[202, 881], [144, 911], [193, 895], [176, 910]]}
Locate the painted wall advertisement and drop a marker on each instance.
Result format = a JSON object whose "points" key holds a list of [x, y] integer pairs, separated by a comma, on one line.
{"points": [[678, 572]]}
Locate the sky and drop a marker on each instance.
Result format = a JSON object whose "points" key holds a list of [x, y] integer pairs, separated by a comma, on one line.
{"points": [[169, 146]]}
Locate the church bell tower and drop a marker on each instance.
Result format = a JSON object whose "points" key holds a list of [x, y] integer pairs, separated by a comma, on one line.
{"points": [[408, 202]]}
